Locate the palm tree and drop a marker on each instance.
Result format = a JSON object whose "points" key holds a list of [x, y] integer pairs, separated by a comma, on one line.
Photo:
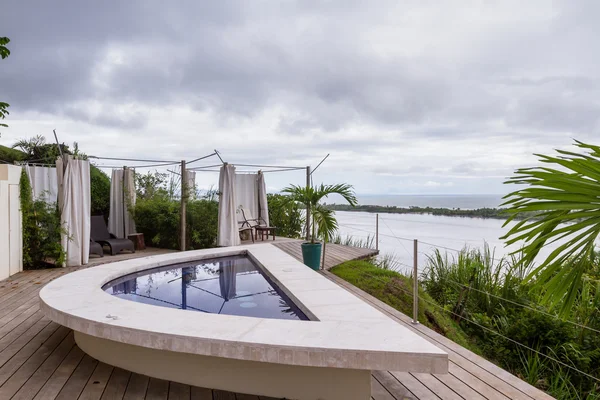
{"points": [[560, 204], [324, 224]]}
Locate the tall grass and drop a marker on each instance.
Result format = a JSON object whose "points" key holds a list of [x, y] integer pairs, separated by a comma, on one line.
{"points": [[486, 294], [473, 275], [365, 243]]}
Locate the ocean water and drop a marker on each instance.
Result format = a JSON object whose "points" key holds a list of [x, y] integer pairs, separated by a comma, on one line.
{"points": [[463, 201], [448, 234]]}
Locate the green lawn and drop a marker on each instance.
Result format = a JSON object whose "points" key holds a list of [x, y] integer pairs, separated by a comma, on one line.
{"points": [[395, 290]]}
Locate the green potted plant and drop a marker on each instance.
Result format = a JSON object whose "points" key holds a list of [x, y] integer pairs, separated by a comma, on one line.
{"points": [[323, 223]]}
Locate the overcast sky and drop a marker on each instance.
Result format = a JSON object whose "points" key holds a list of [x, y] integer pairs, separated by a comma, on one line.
{"points": [[407, 96]]}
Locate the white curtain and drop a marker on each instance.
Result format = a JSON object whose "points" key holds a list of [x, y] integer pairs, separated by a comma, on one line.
{"points": [[228, 232], [191, 183], [246, 194], [122, 196], [75, 201], [44, 181], [263, 205]]}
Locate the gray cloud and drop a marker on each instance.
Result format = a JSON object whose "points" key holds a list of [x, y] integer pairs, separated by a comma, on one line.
{"points": [[396, 89]]}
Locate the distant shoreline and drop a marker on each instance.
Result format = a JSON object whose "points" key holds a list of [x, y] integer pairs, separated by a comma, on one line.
{"points": [[488, 213]]}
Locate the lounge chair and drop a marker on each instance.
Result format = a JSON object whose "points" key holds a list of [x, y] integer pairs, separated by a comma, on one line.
{"points": [[96, 248], [258, 224], [101, 235]]}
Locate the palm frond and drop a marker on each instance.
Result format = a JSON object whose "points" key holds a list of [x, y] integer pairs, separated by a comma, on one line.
{"points": [[565, 202]]}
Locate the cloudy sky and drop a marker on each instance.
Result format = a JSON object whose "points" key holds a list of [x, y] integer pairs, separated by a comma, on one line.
{"points": [[407, 96]]}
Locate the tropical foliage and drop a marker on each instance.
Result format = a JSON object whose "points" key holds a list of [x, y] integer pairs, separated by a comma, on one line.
{"points": [[285, 215], [41, 229], [323, 222], [157, 214], [37, 150], [503, 314], [565, 194]]}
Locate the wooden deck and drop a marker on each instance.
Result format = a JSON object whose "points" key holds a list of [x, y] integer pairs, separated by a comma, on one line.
{"points": [[335, 254], [40, 360]]}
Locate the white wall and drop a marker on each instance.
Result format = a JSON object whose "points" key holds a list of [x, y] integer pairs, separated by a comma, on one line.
{"points": [[11, 229]]}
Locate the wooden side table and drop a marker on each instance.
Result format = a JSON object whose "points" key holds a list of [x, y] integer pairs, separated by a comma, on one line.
{"points": [[265, 229], [138, 241]]}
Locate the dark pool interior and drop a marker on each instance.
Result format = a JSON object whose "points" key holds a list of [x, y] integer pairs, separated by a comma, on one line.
{"points": [[226, 285]]}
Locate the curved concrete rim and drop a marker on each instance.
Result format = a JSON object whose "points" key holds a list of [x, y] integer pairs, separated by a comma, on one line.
{"points": [[348, 333]]}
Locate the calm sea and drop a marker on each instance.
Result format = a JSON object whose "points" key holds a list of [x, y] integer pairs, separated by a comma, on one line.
{"points": [[397, 231], [464, 201]]}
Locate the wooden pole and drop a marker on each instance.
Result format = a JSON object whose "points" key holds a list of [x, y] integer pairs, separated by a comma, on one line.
{"points": [[307, 207], [182, 217], [123, 188], [415, 283], [377, 232]]}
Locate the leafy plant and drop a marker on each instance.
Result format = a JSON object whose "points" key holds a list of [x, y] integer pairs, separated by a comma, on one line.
{"points": [[42, 229], [286, 216], [565, 195], [100, 192], [157, 215], [323, 221]]}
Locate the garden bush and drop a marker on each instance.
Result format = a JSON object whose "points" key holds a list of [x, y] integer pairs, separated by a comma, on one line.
{"points": [[158, 219], [285, 215], [41, 229]]}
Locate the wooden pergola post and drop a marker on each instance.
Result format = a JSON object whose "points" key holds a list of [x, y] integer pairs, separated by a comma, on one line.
{"points": [[182, 218], [307, 207]]}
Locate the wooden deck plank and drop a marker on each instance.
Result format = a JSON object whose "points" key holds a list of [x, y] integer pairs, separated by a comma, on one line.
{"points": [[43, 373], [158, 389], [239, 396], [95, 386], [54, 385], [378, 392], [480, 386], [16, 354], [10, 333], [418, 390], [137, 387], [199, 393], [436, 386], [393, 385], [465, 391], [12, 385], [179, 391], [117, 384], [223, 395], [335, 254], [77, 381]]}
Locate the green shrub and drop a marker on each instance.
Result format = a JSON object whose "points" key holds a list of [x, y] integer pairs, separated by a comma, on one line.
{"points": [[158, 219], [41, 229], [488, 295], [100, 190], [286, 216]]}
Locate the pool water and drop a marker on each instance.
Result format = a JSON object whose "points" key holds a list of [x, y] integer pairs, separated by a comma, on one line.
{"points": [[226, 285]]}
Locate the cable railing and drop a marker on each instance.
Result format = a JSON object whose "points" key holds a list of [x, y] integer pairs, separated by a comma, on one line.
{"points": [[415, 272], [416, 298]]}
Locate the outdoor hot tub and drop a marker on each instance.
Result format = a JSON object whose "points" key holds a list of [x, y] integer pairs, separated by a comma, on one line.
{"points": [[247, 319]]}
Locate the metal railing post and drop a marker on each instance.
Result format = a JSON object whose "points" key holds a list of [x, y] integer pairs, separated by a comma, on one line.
{"points": [[415, 283], [377, 232]]}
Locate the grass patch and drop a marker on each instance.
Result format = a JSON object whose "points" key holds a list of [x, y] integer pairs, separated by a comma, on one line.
{"points": [[395, 289]]}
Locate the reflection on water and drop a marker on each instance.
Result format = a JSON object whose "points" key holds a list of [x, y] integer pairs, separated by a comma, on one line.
{"points": [[228, 285]]}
